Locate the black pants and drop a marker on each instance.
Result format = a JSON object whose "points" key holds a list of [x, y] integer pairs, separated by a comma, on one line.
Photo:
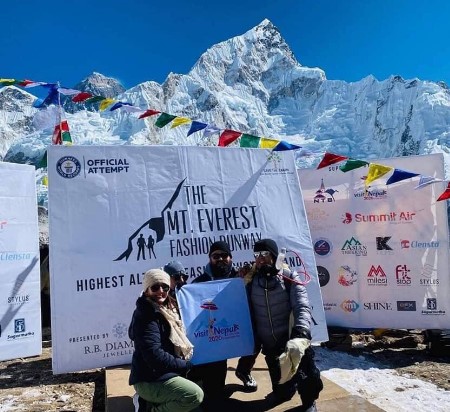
{"points": [[306, 381], [212, 376]]}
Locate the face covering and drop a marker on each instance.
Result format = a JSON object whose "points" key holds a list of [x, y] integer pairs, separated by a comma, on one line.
{"points": [[268, 270], [221, 270]]}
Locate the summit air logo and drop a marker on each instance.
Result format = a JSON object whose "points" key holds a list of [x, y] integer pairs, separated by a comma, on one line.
{"points": [[391, 217], [354, 247], [324, 195]]}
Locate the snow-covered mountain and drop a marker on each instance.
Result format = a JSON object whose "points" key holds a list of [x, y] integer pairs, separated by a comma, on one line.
{"points": [[251, 83]]}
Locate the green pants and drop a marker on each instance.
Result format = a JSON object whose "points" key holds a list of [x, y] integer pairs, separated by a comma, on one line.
{"points": [[173, 395]]}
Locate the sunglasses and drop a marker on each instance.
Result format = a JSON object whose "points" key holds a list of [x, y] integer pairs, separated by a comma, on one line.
{"points": [[178, 276], [156, 287], [263, 253], [217, 256]]}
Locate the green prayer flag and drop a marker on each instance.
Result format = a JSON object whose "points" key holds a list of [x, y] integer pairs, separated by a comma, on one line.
{"points": [[163, 119], [351, 164], [247, 140], [43, 161]]}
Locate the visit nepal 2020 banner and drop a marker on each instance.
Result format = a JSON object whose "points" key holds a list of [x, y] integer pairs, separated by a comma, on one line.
{"points": [[117, 211], [382, 251], [20, 314]]}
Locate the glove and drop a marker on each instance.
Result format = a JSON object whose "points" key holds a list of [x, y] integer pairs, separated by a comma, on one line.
{"points": [[291, 357]]}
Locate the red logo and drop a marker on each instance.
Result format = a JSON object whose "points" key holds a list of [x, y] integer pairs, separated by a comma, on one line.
{"points": [[347, 218]]}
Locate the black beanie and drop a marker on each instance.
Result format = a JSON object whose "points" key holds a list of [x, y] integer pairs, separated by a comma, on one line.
{"points": [[220, 245], [266, 244]]}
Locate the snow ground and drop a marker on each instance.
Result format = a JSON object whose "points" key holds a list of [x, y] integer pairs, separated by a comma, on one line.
{"points": [[382, 387]]}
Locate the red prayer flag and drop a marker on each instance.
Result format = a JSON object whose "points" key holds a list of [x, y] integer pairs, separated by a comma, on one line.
{"points": [[228, 136], [81, 97], [148, 113], [445, 195], [330, 158]]}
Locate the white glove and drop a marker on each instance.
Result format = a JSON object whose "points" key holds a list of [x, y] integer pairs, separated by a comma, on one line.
{"points": [[291, 357]]}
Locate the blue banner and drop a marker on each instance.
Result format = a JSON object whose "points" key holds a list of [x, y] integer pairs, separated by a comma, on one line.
{"points": [[217, 319]]}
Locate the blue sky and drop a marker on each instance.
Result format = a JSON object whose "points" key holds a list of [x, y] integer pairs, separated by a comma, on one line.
{"points": [[139, 40]]}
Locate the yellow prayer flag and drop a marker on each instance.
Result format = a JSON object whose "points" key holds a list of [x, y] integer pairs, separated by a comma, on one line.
{"points": [[178, 121], [375, 172], [105, 103], [45, 181], [265, 143]]}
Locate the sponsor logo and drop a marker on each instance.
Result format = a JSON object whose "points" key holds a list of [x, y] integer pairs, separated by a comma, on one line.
{"points": [[376, 276], [391, 217], [416, 244], [323, 247], [371, 194], [349, 306], [324, 195], [377, 306], [18, 299], [3, 224], [402, 275], [68, 167], [112, 349], [20, 331], [107, 166], [347, 218], [319, 219], [429, 275], [329, 306], [406, 305], [119, 330], [432, 308], [354, 247], [15, 256], [275, 159], [347, 276], [382, 243], [324, 276]]}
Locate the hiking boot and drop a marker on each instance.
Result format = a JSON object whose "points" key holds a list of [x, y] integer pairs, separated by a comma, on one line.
{"points": [[140, 404], [311, 408], [248, 381]]}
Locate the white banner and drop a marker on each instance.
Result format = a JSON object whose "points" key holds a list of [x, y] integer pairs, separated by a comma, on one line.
{"points": [[116, 212], [20, 301], [382, 253]]}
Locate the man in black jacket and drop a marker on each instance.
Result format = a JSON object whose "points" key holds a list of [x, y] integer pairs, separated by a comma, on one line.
{"points": [[213, 374]]}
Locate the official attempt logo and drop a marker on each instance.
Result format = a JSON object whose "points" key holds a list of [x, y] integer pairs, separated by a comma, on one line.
{"points": [[68, 167]]}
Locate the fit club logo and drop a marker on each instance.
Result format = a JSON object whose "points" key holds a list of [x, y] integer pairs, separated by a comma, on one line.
{"points": [[68, 167], [157, 226], [324, 195], [402, 275]]}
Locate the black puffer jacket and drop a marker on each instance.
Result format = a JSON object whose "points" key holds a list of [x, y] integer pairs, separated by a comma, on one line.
{"points": [[153, 357]]}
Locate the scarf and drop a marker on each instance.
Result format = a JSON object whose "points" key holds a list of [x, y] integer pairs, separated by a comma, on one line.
{"points": [[183, 347]]}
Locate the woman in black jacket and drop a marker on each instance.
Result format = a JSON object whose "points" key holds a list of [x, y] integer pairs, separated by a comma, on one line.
{"points": [[161, 351]]}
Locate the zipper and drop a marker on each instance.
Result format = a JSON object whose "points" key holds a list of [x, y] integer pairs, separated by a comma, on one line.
{"points": [[268, 310]]}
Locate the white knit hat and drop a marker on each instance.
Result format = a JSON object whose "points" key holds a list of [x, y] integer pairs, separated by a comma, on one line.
{"points": [[154, 276]]}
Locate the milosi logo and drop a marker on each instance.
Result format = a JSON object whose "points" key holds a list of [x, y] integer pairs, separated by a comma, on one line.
{"points": [[349, 306], [376, 276], [68, 167], [391, 217]]}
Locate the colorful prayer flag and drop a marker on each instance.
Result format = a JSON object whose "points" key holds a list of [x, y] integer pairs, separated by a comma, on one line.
{"points": [[105, 103], [196, 126], [118, 105], [282, 145], [375, 172], [445, 195], [227, 137], [400, 175], [265, 143], [81, 97], [427, 180], [164, 119], [330, 159], [148, 113], [352, 164], [61, 133], [248, 140], [178, 121]]}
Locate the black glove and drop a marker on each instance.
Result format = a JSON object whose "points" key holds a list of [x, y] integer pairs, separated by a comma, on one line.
{"points": [[300, 333]]}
